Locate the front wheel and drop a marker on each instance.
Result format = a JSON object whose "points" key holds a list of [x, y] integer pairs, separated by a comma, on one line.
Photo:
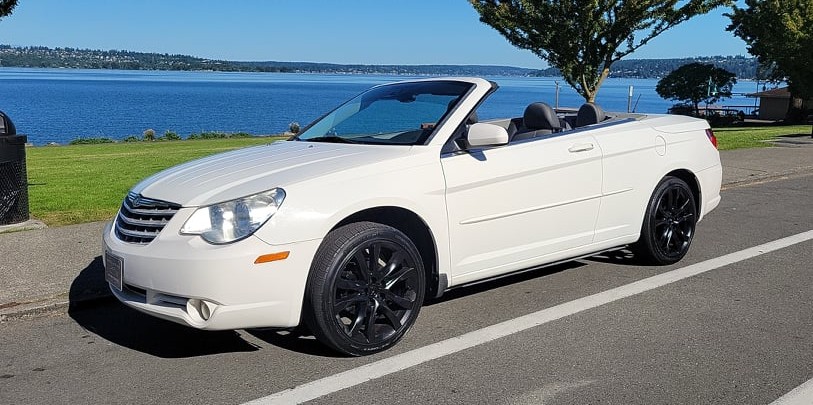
{"points": [[365, 288], [669, 223]]}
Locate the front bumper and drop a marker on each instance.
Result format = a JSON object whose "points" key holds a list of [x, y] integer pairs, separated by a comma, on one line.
{"points": [[175, 276]]}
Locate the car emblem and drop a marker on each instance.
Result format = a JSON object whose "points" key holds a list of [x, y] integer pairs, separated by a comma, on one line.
{"points": [[139, 201]]}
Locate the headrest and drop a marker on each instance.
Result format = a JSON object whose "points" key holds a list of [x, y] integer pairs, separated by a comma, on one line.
{"points": [[588, 114], [540, 116]]}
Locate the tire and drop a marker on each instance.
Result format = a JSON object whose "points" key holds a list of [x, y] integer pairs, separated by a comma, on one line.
{"points": [[358, 307], [669, 223]]}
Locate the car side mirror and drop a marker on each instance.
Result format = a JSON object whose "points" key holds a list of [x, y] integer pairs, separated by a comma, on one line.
{"points": [[481, 134]]}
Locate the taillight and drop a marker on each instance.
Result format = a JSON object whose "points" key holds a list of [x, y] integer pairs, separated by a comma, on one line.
{"points": [[712, 138]]}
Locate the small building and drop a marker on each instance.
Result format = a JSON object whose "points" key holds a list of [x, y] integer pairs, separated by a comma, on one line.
{"points": [[775, 103]]}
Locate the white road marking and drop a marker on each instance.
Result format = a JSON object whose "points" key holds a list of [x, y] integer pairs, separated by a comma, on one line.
{"points": [[801, 395], [380, 368]]}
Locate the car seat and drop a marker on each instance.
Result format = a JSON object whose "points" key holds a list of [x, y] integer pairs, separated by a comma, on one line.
{"points": [[538, 119], [589, 113]]}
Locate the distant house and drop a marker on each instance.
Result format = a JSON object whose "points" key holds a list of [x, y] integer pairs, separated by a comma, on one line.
{"points": [[774, 104]]}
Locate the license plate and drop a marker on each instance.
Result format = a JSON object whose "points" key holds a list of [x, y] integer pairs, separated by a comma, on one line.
{"points": [[113, 270]]}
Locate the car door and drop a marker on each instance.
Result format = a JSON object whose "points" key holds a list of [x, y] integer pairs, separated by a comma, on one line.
{"points": [[522, 204]]}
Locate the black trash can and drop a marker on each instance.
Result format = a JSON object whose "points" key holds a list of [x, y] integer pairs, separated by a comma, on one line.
{"points": [[13, 177]]}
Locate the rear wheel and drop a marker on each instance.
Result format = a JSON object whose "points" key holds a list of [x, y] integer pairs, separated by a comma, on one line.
{"points": [[365, 289], [669, 223]]}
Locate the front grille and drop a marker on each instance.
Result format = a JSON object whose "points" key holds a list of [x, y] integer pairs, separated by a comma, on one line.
{"points": [[141, 219]]}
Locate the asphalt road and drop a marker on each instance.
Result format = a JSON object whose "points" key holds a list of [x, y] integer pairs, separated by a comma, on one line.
{"points": [[738, 334]]}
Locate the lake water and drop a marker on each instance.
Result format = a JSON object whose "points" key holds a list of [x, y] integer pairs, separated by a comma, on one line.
{"points": [[58, 105]]}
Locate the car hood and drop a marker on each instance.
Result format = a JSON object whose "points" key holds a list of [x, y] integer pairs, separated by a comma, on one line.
{"points": [[248, 171]]}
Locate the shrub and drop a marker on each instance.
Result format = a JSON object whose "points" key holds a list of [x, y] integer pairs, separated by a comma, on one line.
{"points": [[294, 127], [240, 135], [90, 141], [682, 109], [219, 135], [207, 135], [171, 136], [132, 138], [149, 134]]}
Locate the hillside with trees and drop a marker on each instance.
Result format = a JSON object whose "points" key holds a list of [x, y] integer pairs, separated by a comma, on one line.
{"points": [[743, 67], [44, 57]]}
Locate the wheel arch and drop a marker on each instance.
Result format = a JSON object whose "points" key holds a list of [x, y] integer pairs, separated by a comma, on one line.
{"points": [[416, 229], [691, 180]]}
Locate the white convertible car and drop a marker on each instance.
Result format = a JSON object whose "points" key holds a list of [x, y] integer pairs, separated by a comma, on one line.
{"points": [[399, 195]]}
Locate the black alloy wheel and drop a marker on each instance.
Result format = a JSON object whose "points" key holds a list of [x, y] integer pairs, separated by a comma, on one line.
{"points": [[365, 289], [669, 223]]}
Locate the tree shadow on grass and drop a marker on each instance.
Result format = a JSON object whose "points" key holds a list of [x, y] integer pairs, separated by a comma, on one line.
{"points": [[795, 139]]}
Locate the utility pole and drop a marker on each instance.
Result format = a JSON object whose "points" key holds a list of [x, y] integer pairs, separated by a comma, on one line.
{"points": [[556, 106], [629, 100]]}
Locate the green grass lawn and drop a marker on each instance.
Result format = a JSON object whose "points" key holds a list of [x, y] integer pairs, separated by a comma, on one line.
{"points": [[83, 183], [755, 137]]}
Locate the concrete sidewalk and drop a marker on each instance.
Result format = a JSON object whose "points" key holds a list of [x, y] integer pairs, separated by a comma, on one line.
{"points": [[57, 268]]}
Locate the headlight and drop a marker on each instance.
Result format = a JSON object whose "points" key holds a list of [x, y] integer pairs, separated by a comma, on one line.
{"points": [[233, 220]]}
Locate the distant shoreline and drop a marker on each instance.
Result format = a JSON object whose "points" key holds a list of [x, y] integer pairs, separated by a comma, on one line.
{"points": [[3, 68], [72, 58]]}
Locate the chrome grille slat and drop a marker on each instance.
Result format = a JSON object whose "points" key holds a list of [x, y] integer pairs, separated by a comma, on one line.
{"points": [[141, 222], [138, 234], [138, 211], [141, 219]]}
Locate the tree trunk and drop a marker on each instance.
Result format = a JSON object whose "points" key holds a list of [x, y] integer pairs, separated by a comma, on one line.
{"points": [[585, 92], [591, 94]]}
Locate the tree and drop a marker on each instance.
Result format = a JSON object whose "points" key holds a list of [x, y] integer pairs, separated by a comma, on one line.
{"points": [[6, 7], [780, 33], [583, 38], [696, 82]]}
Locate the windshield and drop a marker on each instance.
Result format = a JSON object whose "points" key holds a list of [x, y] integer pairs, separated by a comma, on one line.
{"points": [[395, 114]]}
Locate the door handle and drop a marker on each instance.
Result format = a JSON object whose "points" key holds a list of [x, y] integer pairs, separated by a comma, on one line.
{"points": [[581, 147]]}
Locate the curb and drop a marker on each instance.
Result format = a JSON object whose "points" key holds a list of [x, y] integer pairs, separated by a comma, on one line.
{"points": [[29, 225], [758, 179], [55, 305]]}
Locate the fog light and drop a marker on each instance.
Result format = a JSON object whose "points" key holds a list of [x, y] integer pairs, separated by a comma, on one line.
{"points": [[202, 308], [206, 309]]}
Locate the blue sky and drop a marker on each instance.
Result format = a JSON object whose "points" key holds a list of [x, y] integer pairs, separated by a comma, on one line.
{"points": [[361, 31]]}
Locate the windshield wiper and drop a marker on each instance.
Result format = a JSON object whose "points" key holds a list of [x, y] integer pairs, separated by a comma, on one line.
{"points": [[329, 139]]}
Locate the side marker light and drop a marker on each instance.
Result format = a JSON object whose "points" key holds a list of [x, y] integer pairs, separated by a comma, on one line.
{"points": [[272, 257]]}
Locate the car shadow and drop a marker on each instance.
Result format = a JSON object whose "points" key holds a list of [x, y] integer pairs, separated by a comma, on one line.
{"points": [[298, 340], [92, 307], [621, 257], [302, 341], [503, 281]]}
